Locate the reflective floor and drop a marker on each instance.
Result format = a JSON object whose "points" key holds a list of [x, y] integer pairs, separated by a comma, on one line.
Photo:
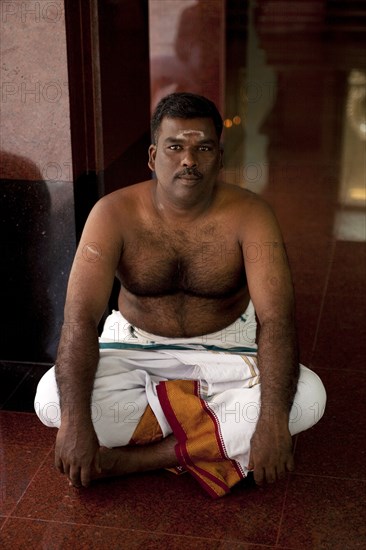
{"points": [[301, 143]]}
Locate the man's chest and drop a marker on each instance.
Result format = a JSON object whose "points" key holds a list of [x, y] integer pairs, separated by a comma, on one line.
{"points": [[202, 260]]}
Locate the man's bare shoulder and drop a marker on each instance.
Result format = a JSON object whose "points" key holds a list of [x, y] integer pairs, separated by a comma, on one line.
{"points": [[241, 200], [126, 196], [125, 201]]}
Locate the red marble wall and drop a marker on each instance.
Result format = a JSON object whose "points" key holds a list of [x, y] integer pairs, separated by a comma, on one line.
{"points": [[36, 195], [35, 122]]}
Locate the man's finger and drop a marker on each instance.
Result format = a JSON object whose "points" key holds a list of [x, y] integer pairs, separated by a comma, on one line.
{"points": [[290, 464], [258, 475], [85, 476], [74, 476], [59, 464], [97, 462], [270, 475]]}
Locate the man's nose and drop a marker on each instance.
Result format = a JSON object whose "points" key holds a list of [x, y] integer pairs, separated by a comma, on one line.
{"points": [[189, 159]]}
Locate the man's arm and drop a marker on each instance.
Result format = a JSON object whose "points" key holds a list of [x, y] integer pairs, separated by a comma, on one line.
{"points": [[271, 290], [90, 283]]}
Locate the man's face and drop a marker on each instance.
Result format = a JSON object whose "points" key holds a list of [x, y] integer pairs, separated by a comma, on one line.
{"points": [[187, 155]]}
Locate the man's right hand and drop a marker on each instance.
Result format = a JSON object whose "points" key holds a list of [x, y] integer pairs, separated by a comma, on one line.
{"points": [[77, 453]]}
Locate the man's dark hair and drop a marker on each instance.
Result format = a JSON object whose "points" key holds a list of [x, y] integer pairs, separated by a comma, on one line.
{"points": [[185, 105]]}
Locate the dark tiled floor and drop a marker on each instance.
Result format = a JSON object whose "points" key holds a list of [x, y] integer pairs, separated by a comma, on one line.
{"points": [[322, 504], [308, 510]]}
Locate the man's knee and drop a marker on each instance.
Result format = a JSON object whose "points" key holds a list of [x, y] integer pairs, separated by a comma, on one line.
{"points": [[46, 402], [309, 403]]}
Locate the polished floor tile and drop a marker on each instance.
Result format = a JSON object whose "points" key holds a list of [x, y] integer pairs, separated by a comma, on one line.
{"points": [[348, 269], [157, 503], [341, 337], [336, 446], [308, 308], [25, 429], [324, 513], [53, 535], [18, 466]]}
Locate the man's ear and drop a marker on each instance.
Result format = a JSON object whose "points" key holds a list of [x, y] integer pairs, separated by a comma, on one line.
{"points": [[152, 155]]}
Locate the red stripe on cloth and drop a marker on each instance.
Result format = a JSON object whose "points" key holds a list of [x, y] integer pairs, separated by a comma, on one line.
{"points": [[195, 471], [219, 438], [215, 485], [181, 450], [162, 392]]}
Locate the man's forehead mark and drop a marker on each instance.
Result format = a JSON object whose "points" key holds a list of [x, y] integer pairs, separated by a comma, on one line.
{"points": [[184, 133]]}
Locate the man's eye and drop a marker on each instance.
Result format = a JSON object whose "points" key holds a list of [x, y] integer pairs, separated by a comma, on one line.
{"points": [[174, 147], [204, 148]]}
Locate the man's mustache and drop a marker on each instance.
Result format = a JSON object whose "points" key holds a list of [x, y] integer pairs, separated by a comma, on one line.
{"points": [[189, 172]]}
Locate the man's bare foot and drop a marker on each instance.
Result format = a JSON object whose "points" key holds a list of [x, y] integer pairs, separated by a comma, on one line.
{"points": [[113, 462], [120, 461]]}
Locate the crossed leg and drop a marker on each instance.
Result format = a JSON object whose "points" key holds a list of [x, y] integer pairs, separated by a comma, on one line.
{"points": [[137, 458]]}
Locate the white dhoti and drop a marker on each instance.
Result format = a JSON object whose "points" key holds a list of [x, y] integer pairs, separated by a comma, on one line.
{"points": [[205, 390]]}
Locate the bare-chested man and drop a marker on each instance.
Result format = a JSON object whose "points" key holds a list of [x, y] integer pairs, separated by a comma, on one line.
{"points": [[193, 256]]}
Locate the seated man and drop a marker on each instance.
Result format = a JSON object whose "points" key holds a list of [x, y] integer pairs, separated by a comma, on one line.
{"points": [[181, 378]]}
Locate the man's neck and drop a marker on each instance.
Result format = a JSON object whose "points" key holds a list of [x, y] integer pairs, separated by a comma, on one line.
{"points": [[182, 208]]}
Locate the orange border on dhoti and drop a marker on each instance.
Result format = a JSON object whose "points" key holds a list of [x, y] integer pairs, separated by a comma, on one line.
{"points": [[200, 448]]}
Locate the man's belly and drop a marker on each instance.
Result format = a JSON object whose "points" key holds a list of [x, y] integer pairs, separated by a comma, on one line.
{"points": [[181, 315]]}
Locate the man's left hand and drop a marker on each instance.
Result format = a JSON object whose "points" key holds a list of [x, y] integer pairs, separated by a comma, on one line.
{"points": [[271, 451]]}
